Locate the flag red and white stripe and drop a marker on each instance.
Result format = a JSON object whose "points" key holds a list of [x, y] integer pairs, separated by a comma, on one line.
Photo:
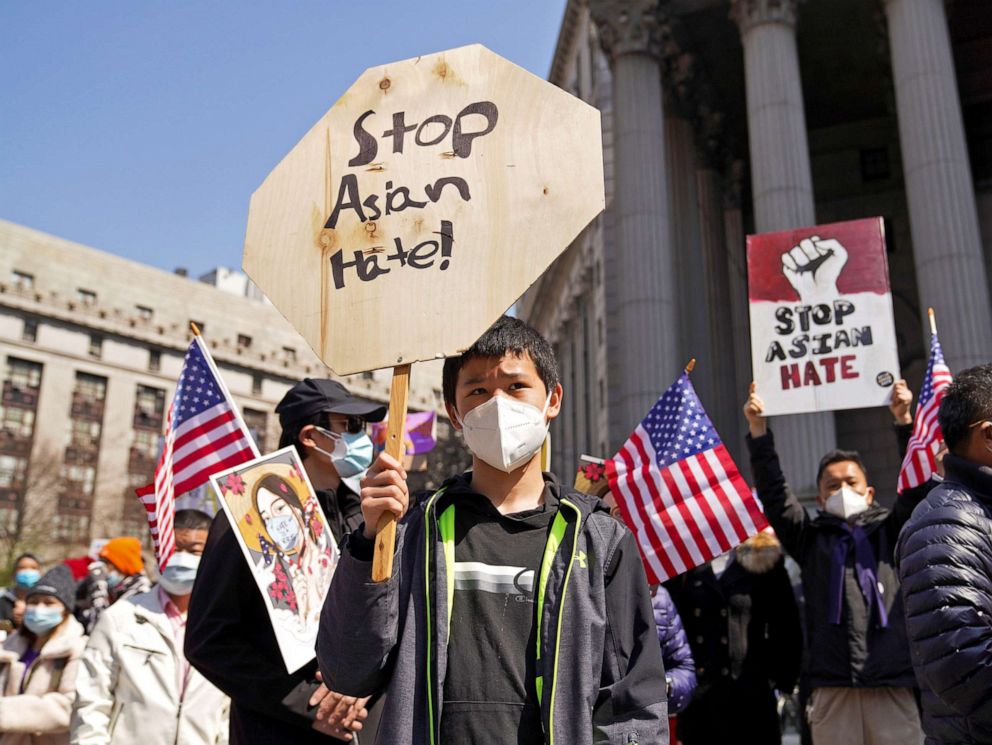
{"points": [[920, 461], [679, 490], [204, 434]]}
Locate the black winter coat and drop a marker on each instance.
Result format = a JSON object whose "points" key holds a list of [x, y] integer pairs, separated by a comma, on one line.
{"points": [[856, 653], [229, 638], [945, 563], [743, 628]]}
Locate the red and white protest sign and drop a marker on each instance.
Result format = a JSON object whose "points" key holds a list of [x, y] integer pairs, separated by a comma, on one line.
{"points": [[822, 331]]}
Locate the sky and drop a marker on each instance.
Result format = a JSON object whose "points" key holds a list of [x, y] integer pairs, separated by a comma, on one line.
{"points": [[142, 128]]}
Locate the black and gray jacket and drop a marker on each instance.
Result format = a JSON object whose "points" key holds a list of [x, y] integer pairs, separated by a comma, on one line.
{"points": [[855, 653], [600, 675], [945, 563]]}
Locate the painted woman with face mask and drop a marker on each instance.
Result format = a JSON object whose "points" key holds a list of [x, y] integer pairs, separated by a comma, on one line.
{"points": [[38, 665], [298, 551]]}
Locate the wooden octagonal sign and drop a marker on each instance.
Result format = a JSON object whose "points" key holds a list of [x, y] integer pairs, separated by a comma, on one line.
{"points": [[422, 205]]}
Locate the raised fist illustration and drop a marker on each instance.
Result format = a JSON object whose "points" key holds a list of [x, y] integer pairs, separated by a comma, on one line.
{"points": [[813, 266]]}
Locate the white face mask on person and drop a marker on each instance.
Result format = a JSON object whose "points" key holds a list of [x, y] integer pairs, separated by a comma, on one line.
{"points": [[846, 503], [505, 433], [179, 573]]}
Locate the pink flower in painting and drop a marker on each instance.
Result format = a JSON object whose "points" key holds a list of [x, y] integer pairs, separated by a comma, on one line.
{"points": [[296, 472], [235, 484]]}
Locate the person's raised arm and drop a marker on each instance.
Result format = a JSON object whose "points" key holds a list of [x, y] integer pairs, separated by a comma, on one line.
{"points": [[360, 620], [782, 508]]}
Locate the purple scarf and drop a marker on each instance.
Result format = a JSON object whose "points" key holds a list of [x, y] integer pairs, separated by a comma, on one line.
{"points": [[865, 567]]}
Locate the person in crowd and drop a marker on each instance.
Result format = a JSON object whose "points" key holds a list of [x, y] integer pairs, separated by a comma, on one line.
{"points": [[518, 609], [858, 664], [117, 574], [945, 565], [676, 655], [38, 665], [27, 572], [229, 637], [741, 618], [134, 684]]}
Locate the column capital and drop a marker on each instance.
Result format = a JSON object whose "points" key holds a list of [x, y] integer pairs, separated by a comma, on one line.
{"points": [[628, 26], [750, 13]]}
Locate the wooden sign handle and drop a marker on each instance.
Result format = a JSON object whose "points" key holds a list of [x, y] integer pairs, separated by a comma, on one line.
{"points": [[385, 531]]}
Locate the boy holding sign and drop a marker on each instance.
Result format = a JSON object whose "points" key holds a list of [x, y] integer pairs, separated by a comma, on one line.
{"points": [[518, 610]]}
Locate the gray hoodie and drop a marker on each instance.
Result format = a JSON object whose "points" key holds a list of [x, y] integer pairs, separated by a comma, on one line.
{"points": [[599, 670]]}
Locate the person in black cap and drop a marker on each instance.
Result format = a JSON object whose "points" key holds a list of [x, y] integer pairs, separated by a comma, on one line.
{"points": [[38, 664], [229, 637]]}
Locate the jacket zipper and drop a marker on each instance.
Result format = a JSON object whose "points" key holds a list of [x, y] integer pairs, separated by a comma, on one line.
{"points": [[550, 551], [561, 611]]}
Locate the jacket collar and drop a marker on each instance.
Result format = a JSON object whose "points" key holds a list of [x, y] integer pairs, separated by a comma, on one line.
{"points": [[462, 484], [977, 479]]}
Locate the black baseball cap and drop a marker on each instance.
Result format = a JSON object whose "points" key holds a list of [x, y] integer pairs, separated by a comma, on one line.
{"points": [[315, 395]]}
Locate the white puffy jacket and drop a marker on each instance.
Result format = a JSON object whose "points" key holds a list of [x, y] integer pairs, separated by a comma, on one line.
{"points": [[128, 686]]}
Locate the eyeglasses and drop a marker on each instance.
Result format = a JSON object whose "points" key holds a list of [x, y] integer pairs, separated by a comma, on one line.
{"points": [[353, 424]]}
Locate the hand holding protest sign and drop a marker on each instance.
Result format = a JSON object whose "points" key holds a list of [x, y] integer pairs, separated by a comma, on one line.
{"points": [[418, 209]]}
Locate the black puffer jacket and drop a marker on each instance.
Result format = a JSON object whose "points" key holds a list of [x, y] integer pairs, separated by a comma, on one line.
{"points": [[855, 653], [945, 563]]}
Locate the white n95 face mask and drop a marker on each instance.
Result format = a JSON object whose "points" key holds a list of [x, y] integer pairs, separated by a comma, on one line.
{"points": [[846, 503], [505, 433]]}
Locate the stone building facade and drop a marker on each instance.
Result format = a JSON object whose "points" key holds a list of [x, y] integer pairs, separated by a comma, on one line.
{"points": [[91, 347], [728, 117]]}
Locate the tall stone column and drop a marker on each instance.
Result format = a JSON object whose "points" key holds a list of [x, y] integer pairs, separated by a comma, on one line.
{"points": [[683, 194], [781, 182], [943, 218], [646, 307]]}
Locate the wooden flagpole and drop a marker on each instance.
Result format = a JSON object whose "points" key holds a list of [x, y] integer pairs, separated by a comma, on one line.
{"points": [[385, 531], [933, 322]]}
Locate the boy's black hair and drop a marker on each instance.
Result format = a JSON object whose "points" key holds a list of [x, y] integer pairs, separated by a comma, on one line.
{"points": [[967, 400], [840, 456], [191, 520], [506, 336]]}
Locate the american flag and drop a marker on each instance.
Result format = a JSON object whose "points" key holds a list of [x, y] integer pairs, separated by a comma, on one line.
{"points": [[678, 488], [203, 434], [920, 461]]}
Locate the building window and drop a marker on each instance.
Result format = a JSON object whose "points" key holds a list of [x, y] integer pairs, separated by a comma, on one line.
{"points": [[96, 345], [257, 422], [149, 405], [154, 360], [91, 387], [289, 354], [256, 385], [84, 433], [244, 341], [875, 164], [86, 297], [22, 374], [22, 280], [17, 422], [12, 471], [144, 312], [30, 331]]}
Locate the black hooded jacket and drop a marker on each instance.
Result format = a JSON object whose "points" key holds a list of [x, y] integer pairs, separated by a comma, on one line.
{"points": [[945, 563], [857, 653], [229, 638]]}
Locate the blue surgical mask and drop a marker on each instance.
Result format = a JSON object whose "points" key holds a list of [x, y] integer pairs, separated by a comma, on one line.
{"points": [[284, 530], [352, 454], [179, 573], [114, 578], [27, 577], [40, 619]]}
